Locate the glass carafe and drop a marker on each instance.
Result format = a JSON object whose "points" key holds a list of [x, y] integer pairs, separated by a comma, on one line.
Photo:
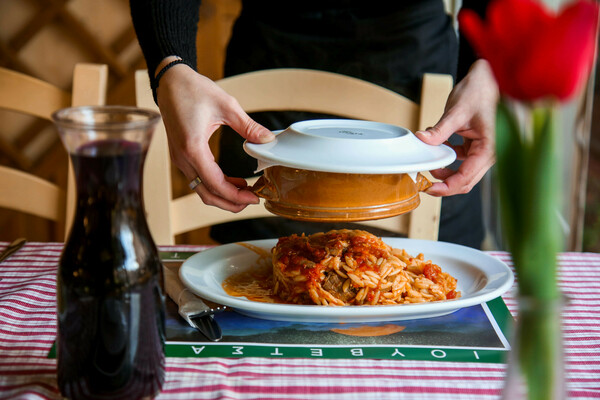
{"points": [[110, 302]]}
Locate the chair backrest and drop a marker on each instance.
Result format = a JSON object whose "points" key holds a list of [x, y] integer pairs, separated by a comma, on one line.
{"points": [[298, 90], [25, 192]]}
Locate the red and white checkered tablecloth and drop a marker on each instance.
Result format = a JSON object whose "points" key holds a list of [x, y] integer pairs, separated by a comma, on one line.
{"points": [[28, 330]]}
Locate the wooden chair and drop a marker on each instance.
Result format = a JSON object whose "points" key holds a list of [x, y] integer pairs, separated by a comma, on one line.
{"points": [[298, 90], [25, 192]]}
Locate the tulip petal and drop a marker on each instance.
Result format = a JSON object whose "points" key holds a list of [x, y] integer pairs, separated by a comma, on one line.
{"points": [[533, 52], [513, 20], [471, 26], [517, 25], [563, 56], [576, 39]]}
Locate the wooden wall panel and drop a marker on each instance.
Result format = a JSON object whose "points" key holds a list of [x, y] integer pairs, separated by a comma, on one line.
{"points": [[45, 39]]}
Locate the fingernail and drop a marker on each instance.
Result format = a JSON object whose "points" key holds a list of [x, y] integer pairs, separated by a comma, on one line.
{"points": [[266, 137], [424, 133]]}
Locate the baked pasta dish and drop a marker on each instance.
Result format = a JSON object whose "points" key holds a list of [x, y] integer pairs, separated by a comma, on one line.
{"points": [[354, 267]]}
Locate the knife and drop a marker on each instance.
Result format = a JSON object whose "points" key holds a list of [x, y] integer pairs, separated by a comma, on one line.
{"points": [[191, 307], [12, 248]]}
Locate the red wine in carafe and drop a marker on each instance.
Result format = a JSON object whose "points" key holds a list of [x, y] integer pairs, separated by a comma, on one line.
{"points": [[110, 302]]}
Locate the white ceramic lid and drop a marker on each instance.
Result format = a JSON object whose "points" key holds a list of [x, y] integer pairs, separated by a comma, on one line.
{"points": [[350, 146]]}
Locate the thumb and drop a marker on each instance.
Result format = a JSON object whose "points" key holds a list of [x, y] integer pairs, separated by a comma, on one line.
{"points": [[440, 132], [251, 130]]}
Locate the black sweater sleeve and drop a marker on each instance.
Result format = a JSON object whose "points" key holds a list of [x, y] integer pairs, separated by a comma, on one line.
{"points": [[166, 28]]}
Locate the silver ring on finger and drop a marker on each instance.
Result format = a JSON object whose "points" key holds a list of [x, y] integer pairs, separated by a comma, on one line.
{"points": [[194, 183]]}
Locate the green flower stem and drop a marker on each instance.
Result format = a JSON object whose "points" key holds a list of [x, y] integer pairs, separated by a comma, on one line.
{"points": [[528, 181], [539, 347]]}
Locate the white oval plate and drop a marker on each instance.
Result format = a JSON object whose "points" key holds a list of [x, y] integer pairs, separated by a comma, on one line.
{"points": [[480, 278]]}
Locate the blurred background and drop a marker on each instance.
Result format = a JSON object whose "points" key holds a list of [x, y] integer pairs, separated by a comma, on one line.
{"points": [[46, 38]]}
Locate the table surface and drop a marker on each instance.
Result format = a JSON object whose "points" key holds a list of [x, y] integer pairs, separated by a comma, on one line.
{"points": [[28, 330]]}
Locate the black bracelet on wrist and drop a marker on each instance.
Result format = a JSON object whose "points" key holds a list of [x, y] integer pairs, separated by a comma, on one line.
{"points": [[156, 80]]}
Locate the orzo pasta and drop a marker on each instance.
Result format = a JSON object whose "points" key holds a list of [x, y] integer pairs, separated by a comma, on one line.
{"points": [[354, 267]]}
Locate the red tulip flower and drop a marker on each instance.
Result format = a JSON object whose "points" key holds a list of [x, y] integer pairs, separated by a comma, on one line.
{"points": [[538, 58], [533, 52]]}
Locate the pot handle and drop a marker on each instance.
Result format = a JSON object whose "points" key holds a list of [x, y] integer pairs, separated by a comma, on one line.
{"points": [[423, 183], [265, 189]]}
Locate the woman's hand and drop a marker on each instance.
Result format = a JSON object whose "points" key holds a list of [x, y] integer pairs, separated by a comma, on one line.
{"points": [[193, 107], [470, 112]]}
